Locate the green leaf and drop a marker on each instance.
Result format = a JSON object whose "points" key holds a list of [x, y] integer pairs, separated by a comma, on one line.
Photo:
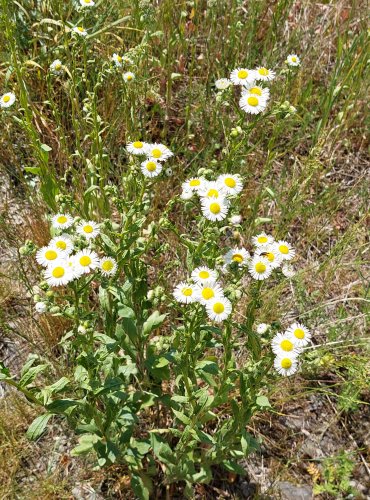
{"points": [[62, 405], [38, 426], [161, 449], [263, 402], [33, 170], [59, 385], [125, 311], [86, 444], [141, 485], [154, 320], [30, 375], [46, 148], [182, 417], [207, 366], [233, 467]]}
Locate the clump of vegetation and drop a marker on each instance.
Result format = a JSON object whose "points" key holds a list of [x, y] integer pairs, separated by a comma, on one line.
{"points": [[182, 243]]}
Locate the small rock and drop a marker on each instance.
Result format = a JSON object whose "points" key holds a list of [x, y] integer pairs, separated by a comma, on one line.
{"points": [[291, 491]]}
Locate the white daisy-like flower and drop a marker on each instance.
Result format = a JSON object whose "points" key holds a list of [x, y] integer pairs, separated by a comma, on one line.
{"points": [[271, 253], [259, 267], [242, 76], [7, 100], [151, 167], [222, 84], [288, 270], [41, 307], [80, 31], [159, 152], [212, 189], [262, 328], [128, 76], [283, 344], [59, 274], [87, 3], [63, 243], [238, 255], [252, 103], [56, 67], [286, 364], [108, 266], [235, 220], [262, 239], [219, 309], [215, 208], [285, 249], [255, 89], [137, 147], [48, 255], [207, 291], [204, 274], [89, 229], [231, 183], [186, 194], [62, 221], [293, 60], [264, 74], [117, 59], [299, 334], [194, 184], [86, 260], [75, 269], [184, 293]]}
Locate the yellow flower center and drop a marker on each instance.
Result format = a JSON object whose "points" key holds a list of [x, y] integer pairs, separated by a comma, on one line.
{"points": [[151, 166], [188, 292], [286, 345], [61, 244], [129, 78], [255, 90], [263, 71], [80, 29], [58, 66], [237, 257], [286, 363], [204, 275], [119, 59], [137, 144], [207, 293], [299, 333], [230, 182], [262, 239], [58, 272], [107, 265], [260, 267], [50, 255], [6, 98], [85, 261], [252, 101], [242, 74], [88, 229], [87, 1], [215, 208], [270, 256], [294, 59], [194, 182], [284, 249], [213, 193], [218, 308], [62, 219], [156, 153]]}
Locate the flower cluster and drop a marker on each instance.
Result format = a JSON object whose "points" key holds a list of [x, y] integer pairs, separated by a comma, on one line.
{"points": [[268, 255], [156, 154], [204, 288], [214, 195], [287, 346], [62, 261]]}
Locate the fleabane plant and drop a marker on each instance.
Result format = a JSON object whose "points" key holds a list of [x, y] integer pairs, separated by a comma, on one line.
{"points": [[156, 377]]}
